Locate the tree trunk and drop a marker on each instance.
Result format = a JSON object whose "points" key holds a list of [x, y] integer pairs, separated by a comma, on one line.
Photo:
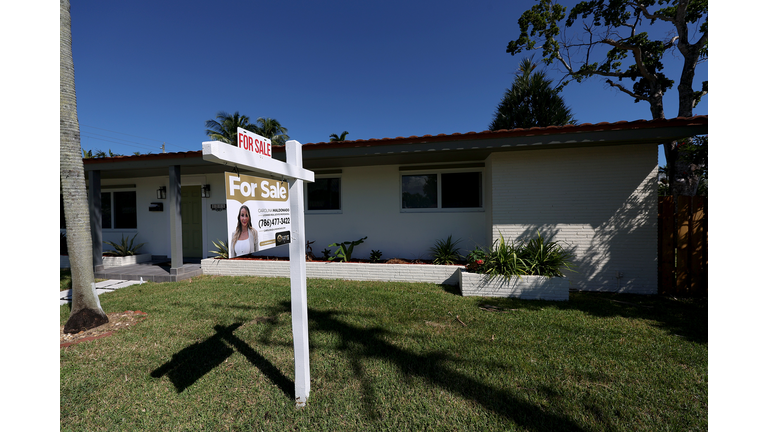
{"points": [[86, 310]]}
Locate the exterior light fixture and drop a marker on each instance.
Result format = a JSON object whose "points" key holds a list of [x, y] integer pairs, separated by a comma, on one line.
{"points": [[206, 190], [161, 193]]}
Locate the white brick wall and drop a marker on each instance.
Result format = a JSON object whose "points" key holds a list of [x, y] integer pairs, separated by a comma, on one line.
{"points": [[429, 273], [524, 287], [602, 201]]}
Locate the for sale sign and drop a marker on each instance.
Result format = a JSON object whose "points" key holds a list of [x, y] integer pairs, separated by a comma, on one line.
{"points": [[258, 214], [254, 143]]}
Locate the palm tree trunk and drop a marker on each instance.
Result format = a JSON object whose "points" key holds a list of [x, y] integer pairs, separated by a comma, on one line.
{"points": [[86, 310]]}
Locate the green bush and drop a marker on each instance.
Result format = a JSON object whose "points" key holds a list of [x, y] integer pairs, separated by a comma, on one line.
{"points": [[536, 257], [545, 258], [375, 256], [445, 251]]}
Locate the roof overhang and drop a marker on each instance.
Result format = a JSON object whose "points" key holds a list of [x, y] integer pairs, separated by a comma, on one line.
{"points": [[472, 146]]}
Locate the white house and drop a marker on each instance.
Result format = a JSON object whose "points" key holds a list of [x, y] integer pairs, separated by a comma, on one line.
{"points": [[591, 186]]}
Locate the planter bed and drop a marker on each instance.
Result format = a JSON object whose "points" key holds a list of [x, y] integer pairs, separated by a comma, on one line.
{"points": [[115, 261], [523, 287], [430, 273], [111, 261]]}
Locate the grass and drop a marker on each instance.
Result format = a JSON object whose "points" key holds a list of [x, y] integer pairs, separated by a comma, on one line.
{"points": [[216, 353]]}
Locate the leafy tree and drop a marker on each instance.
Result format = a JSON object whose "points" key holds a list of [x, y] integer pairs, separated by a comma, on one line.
{"points": [[614, 31], [342, 137], [224, 128], [691, 166], [531, 102], [272, 129], [86, 312]]}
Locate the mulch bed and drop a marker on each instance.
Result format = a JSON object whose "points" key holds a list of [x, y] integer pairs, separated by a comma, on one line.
{"points": [[117, 321]]}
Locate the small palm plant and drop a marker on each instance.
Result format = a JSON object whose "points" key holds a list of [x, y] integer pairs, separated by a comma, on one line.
{"points": [[124, 248], [446, 251]]}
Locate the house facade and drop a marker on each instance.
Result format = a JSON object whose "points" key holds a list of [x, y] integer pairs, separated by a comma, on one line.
{"points": [[592, 186]]}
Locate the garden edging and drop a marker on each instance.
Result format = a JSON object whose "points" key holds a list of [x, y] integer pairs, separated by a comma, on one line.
{"points": [[111, 261], [522, 287], [430, 273]]}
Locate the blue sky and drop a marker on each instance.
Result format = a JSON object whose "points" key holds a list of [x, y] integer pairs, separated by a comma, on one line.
{"points": [[150, 72]]}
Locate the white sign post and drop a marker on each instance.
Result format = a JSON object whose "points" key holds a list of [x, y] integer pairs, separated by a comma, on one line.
{"points": [[254, 153]]}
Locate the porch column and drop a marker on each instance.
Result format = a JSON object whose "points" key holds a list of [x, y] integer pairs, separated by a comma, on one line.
{"points": [[94, 208], [174, 210]]}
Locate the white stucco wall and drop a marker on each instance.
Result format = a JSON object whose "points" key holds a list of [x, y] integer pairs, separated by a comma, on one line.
{"points": [[153, 228], [602, 201], [370, 206]]}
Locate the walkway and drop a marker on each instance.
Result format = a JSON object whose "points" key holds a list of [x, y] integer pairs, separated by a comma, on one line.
{"points": [[101, 287], [158, 270], [153, 271]]}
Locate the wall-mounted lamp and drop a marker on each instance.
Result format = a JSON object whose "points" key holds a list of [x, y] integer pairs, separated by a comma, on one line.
{"points": [[161, 193], [206, 190]]}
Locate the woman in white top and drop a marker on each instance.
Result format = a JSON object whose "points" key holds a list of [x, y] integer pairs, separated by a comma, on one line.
{"points": [[245, 238]]}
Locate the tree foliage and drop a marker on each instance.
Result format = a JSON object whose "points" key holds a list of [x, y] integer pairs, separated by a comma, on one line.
{"points": [[224, 128], [342, 137], [611, 41], [691, 174], [531, 102], [628, 51], [272, 129]]}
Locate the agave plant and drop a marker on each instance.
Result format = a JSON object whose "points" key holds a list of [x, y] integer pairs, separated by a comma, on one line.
{"points": [[222, 250], [124, 248]]}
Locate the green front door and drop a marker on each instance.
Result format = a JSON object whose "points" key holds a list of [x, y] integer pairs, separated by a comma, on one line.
{"points": [[191, 222]]}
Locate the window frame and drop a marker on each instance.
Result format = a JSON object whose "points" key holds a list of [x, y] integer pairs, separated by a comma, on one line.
{"points": [[325, 175], [111, 191], [419, 171]]}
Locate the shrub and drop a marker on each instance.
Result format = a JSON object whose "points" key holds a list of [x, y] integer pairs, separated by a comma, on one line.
{"points": [[503, 260], [375, 256], [475, 259], [545, 258], [445, 251], [537, 257], [124, 248], [344, 251]]}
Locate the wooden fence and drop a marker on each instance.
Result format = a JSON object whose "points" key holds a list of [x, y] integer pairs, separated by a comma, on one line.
{"points": [[683, 241]]}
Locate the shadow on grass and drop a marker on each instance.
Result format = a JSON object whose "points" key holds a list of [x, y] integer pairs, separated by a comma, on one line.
{"points": [[360, 343], [193, 362], [686, 317]]}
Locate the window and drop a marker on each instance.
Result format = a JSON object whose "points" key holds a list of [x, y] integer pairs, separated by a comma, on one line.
{"points": [[446, 190], [118, 210], [324, 194]]}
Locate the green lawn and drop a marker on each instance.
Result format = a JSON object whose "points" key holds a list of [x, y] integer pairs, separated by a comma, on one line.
{"points": [[216, 354]]}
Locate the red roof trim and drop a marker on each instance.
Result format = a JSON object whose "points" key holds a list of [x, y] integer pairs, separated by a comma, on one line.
{"points": [[549, 130]]}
